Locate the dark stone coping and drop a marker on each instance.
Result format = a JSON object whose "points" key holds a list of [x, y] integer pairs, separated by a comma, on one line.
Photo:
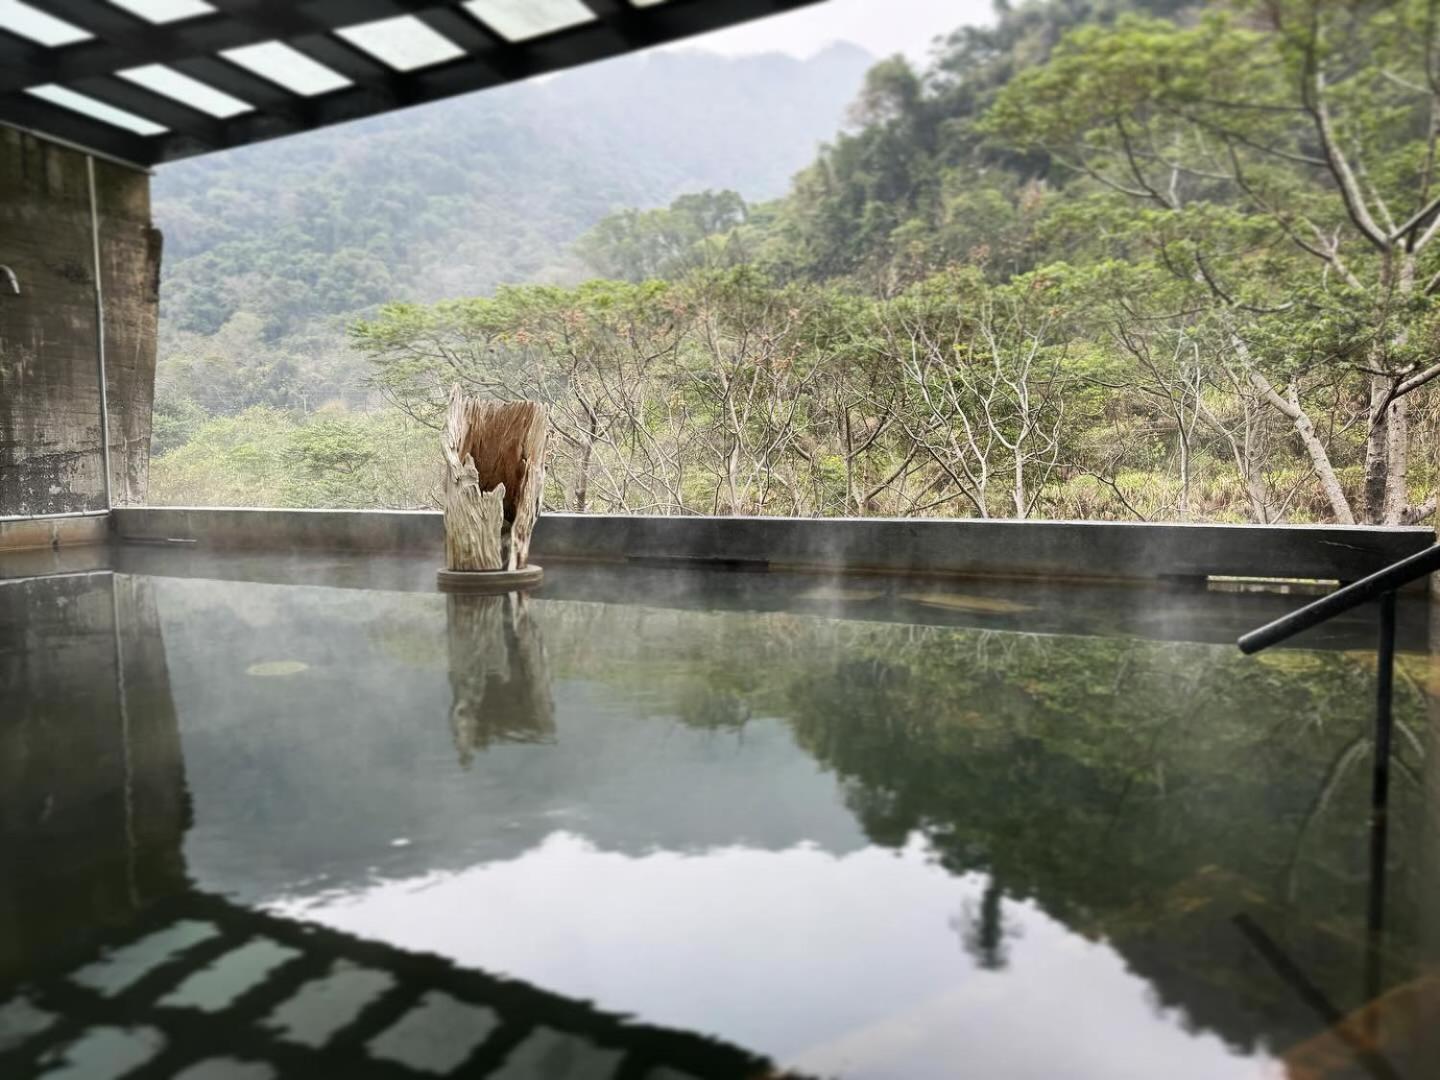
{"points": [[971, 547]]}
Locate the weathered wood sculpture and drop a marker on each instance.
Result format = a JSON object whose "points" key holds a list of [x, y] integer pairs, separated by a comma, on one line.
{"points": [[499, 679], [494, 472]]}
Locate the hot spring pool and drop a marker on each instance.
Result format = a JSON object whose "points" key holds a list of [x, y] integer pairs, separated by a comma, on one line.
{"points": [[665, 824]]}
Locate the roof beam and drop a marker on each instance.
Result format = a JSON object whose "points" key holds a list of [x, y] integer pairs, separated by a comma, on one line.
{"points": [[191, 46], [292, 24], [22, 62], [42, 118], [166, 111], [628, 21], [122, 40]]}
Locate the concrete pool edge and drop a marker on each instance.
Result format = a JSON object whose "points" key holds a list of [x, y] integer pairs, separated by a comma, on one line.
{"points": [[53, 531], [972, 547]]}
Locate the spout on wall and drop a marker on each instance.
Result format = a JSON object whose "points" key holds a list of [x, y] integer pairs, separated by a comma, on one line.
{"points": [[7, 278]]}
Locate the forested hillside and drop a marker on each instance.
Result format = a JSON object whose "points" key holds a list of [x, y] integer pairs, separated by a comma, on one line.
{"points": [[271, 250], [1101, 259], [455, 198]]}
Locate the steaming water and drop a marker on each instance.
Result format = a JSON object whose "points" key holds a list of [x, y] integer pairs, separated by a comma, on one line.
{"points": [[860, 828]]}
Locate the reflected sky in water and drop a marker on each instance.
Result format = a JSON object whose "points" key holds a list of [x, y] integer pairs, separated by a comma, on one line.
{"points": [[852, 965]]}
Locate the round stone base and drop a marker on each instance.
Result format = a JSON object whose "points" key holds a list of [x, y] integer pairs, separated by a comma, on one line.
{"points": [[488, 581]]}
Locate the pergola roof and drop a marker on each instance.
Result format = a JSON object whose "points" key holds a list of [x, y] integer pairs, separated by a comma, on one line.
{"points": [[149, 81]]}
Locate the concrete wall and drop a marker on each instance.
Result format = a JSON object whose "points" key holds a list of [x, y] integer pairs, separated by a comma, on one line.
{"points": [[1046, 549], [50, 459], [34, 533]]}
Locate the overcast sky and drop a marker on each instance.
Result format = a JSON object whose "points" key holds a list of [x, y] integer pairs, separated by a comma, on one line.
{"points": [[881, 27]]}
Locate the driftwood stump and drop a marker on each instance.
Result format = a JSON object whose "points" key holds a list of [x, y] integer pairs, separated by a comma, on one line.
{"points": [[498, 674], [494, 471]]}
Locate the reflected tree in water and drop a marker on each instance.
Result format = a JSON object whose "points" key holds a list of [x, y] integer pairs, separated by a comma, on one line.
{"points": [[1142, 792], [499, 678], [1106, 780], [982, 930]]}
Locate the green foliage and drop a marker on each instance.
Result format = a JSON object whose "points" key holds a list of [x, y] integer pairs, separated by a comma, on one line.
{"points": [[725, 392], [1097, 260], [637, 244], [458, 197], [269, 457]]}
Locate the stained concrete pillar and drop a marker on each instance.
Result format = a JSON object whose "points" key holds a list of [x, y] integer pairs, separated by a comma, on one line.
{"points": [[51, 459]]}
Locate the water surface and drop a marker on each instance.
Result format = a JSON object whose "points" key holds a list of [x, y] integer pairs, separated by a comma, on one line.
{"points": [[860, 829]]}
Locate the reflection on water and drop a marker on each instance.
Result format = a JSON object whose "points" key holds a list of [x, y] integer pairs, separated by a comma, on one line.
{"points": [[835, 965], [497, 674], [855, 848]]}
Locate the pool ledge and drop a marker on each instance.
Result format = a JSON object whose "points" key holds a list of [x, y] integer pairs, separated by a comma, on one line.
{"points": [[1081, 550], [53, 531]]}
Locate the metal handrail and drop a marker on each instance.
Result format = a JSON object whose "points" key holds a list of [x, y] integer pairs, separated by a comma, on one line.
{"points": [[1393, 577], [1381, 586]]}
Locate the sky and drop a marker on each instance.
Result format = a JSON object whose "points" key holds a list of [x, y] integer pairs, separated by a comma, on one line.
{"points": [[881, 27]]}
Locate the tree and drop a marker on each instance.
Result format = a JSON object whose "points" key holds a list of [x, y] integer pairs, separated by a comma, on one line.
{"points": [[634, 245], [988, 382], [1327, 154], [1085, 264], [591, 354]]}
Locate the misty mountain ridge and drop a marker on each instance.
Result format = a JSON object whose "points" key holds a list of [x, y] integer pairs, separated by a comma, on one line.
{"points": [[457, 197]]}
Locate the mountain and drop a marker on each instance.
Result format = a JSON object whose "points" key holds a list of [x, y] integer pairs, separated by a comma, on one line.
{"points": [[457, 197]]}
